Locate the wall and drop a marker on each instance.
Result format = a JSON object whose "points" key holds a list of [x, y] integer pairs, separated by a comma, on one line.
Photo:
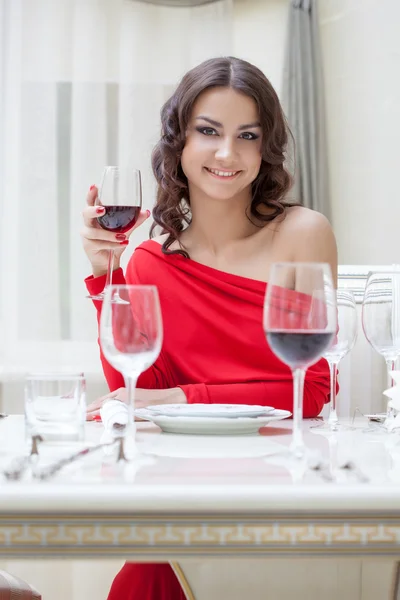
{"points": [[361, 48], [259, 35]]}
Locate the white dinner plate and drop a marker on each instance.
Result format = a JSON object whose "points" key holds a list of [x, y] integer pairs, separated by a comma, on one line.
{"points": [[230, 411], [207, 426]]}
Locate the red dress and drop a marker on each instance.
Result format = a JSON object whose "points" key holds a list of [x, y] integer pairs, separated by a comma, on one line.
{"points": [[215, 349]]}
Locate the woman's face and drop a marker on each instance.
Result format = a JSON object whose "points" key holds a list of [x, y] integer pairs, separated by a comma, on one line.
{"points": [[222, 153]]}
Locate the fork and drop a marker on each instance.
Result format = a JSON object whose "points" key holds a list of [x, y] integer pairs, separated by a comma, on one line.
{"points": [[351, 467], [323, 470]]}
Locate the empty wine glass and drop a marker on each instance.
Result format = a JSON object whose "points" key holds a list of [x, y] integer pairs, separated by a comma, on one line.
{"points": [[381, 318], [343, 342], [131, 336], [120, 193], [300, 323]]}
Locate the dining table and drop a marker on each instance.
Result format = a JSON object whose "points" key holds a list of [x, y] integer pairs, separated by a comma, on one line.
{"points": [[205, 498]]}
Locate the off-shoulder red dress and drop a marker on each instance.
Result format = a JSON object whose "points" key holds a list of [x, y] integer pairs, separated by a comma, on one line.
{"points": [[215, 350]]}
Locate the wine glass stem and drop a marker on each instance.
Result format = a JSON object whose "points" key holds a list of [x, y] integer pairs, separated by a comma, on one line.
{"points": [[297, 445], [110, 268], [130, 382], [333, 418], [390, 366]]}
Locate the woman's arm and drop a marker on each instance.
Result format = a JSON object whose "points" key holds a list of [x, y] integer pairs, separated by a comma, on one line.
{"points": [[278, 394], [265, 393]]}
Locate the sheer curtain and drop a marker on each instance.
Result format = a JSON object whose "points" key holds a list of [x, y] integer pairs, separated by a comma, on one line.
{"points": [[82, 83]]}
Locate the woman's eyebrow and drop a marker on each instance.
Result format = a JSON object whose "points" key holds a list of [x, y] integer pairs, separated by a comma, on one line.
{"points": [[218, 124]]}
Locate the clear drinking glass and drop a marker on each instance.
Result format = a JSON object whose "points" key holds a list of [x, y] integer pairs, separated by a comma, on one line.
{"points": [[131, 335], [381, 318], [120, 193], [342, 344], [300, 322], [55, 406]]}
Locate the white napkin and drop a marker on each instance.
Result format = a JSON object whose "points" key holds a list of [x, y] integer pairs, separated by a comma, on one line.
{"points": [[114, 412]]}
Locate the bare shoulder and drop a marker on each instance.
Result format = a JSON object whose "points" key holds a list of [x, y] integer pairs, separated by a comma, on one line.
{"points": [[309, 236], [301, 223], [301, 219]]}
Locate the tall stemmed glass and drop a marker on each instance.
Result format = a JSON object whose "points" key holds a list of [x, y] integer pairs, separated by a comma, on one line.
{"points": [[300, 322], [342, 344], [120, 193], [131, 334], [381, 318]]}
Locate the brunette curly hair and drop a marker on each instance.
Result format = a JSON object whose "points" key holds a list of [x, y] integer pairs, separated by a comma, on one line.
{"points": [[172, 210]]}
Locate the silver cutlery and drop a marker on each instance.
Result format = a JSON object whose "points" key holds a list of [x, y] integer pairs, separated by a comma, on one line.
{"points": [[53, 469], [323, 470], [351, 467]]}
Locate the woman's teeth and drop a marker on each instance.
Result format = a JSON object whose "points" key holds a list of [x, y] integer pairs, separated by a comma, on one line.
{"points": [[223, 173]]}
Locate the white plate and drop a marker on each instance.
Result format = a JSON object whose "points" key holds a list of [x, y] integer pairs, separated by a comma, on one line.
{"points": [[207, 426], [231, 411]]}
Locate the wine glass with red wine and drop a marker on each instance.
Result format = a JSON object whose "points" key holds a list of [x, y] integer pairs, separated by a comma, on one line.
{"points": [[120, 193], [300, 322]]}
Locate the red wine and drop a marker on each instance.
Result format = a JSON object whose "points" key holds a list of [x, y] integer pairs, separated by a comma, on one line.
{"points": [[119, 218], [299, 349]]}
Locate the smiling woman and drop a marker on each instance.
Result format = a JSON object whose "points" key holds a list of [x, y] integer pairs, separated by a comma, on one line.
{"points": [[224, 120], [222, 184]]}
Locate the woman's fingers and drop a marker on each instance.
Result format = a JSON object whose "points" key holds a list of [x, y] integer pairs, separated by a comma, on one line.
{"points": [[93, 409], [92, 195], [99, 246], [93, 416], [92, 233]]}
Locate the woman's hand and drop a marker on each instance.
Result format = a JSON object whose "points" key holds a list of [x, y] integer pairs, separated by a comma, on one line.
{"points": [[143, 398], [98, 241]]}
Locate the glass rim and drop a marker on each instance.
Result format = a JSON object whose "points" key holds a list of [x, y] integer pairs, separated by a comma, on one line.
{"points": [[55, 376], [122, 168]]}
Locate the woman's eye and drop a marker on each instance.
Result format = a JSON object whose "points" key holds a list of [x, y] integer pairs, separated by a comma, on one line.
{"points": [[207, 130], [247, 135]]}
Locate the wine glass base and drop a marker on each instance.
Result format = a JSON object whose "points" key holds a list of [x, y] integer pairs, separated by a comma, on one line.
{"points": [[99, 297], [332, 427]]}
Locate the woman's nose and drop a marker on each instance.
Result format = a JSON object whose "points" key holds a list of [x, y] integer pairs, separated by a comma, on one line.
{"points": [[225, 150]]}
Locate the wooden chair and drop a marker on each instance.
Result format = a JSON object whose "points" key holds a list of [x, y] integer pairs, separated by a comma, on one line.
{"points": [[362, 373]]}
